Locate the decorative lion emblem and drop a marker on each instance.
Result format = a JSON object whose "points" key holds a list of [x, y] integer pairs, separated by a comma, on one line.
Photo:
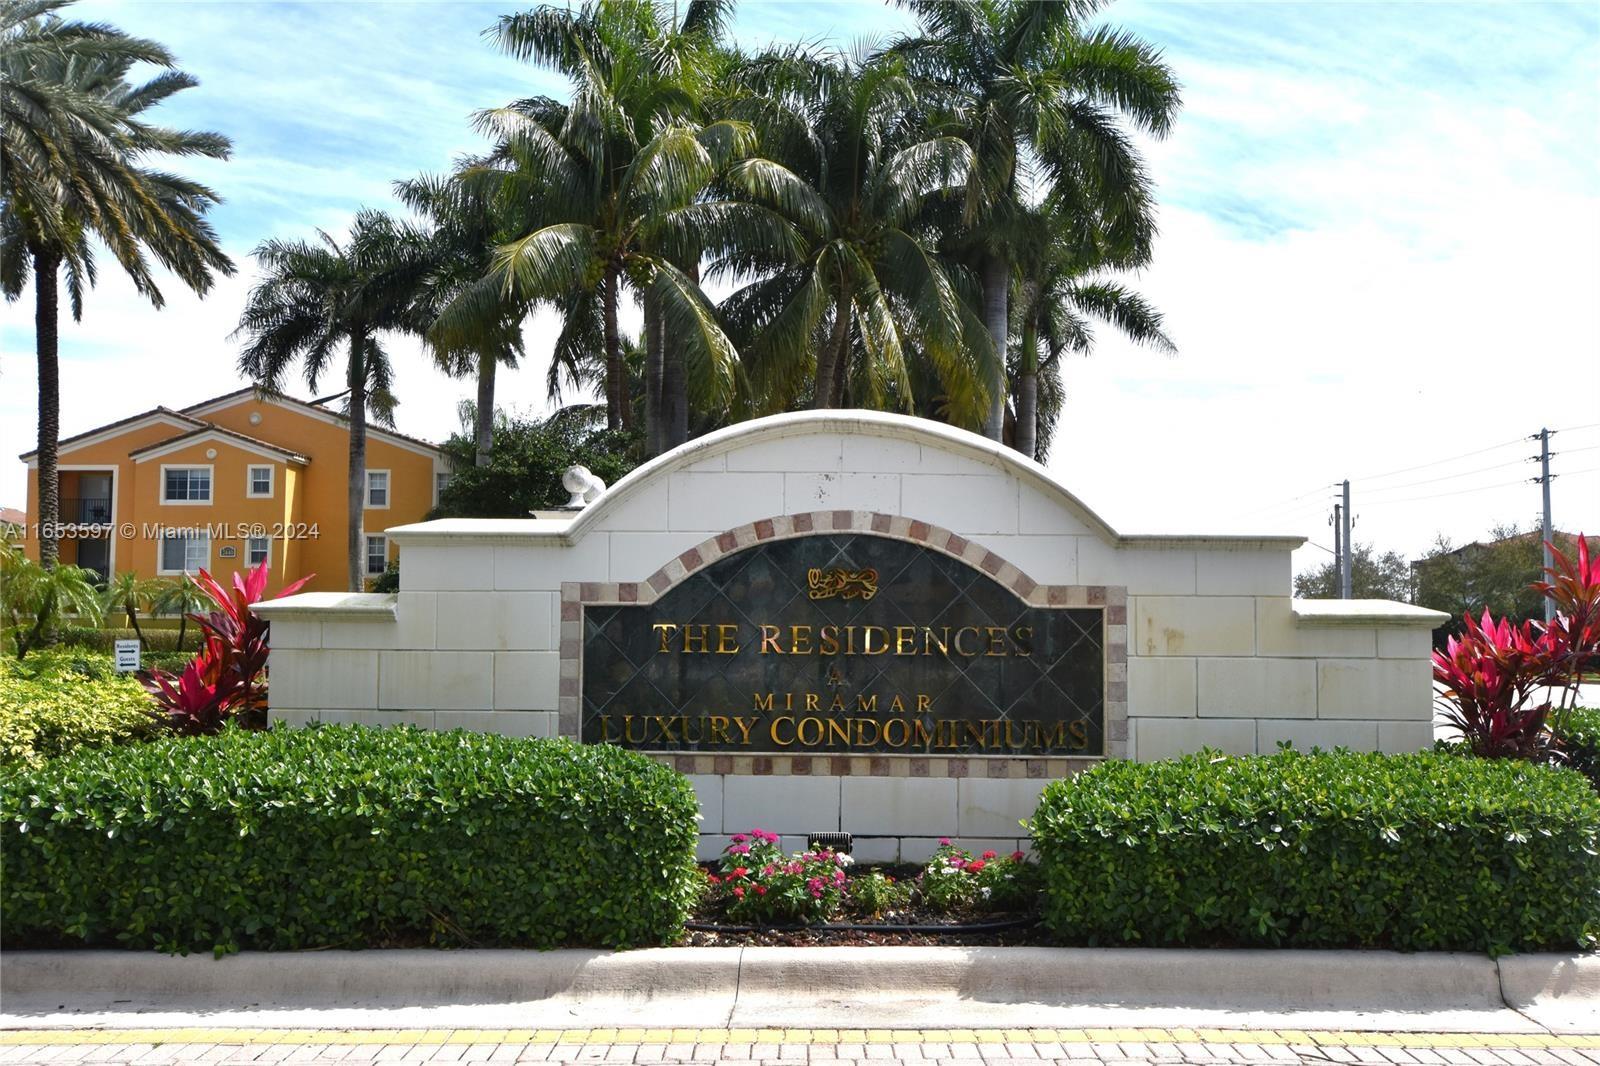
{"points": [[845, 584]]}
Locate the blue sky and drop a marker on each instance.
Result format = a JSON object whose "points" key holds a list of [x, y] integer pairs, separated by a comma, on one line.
{"points": [[1380, 243]]}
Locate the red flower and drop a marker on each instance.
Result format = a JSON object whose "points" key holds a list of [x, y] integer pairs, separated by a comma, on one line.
{"points": [[761, 890], [1017, 856], [738, 871], [990, 854], [975, 865], [738, 893], [714, 879]]}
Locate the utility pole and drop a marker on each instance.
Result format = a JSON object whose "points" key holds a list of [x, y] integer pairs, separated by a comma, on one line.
{"points": [[1347, 577], [1338, 549], [1548, 530]]}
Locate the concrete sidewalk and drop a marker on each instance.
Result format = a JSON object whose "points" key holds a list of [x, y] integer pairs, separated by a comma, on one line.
{"points": [[736, 988]]}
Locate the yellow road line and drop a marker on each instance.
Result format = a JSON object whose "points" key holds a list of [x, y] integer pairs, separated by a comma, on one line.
{"points": [[607, 1035]]}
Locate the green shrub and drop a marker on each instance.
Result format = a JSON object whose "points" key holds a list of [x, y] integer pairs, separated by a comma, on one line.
{"points": [[157, 638], [1423, 851], [1580, 741], [346, 836], [58, 699]]}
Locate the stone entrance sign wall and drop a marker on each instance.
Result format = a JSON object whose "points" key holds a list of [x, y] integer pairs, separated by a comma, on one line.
{"points": [[860, 622]]}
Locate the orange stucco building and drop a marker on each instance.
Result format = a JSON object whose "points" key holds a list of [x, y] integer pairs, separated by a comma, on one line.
{"points": [[228, 482]]}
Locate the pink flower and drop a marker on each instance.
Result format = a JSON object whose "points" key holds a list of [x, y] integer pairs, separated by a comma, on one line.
{"points": [[838, 877], [989, 855], [739, 838], [944, 842], [1017, 856], [738, 849], [766, 871], [738, 893]]}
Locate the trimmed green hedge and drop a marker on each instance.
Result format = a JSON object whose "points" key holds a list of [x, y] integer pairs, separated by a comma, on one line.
{"points": [[1581, 739], [346, 836], [1425, 851]]}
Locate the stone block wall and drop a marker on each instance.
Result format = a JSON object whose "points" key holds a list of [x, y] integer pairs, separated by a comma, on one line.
{"points": [[1217, 654]]}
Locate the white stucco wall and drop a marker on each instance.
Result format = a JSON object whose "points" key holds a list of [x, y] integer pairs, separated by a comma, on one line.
{"points": [[1218, 653]]}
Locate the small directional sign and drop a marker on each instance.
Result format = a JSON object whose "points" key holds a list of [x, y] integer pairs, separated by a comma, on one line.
{"points": [[127, 656]]}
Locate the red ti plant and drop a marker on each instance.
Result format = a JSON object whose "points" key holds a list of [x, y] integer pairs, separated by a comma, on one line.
{"points": [[1497, 678], [224, 680]]}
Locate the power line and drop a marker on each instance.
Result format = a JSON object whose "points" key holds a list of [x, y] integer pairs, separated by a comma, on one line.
{"points": [[1441, 462], [1290, 500], [1483, 488], [1453, 477]]}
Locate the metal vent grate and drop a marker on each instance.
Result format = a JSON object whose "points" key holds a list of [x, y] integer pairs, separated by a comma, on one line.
{"points": [[834, 841]]}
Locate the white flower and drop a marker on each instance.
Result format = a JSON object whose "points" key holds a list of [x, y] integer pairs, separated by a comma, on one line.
{"points": [[844, 860]]}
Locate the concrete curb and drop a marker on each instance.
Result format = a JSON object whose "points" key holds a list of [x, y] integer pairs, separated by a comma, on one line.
{"points": [[885, 987]]}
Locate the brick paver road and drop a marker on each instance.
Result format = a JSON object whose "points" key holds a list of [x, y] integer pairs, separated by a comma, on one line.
{"points": [[796, 1047]]}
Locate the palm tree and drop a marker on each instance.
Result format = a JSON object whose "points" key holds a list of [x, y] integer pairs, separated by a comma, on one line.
{"points": [[182, 597], [314, 298], [73, 153], [1040, 99], [33, 596], [1058, 291], [131, 594], [610, 187], [484, 326], [868, 282]]}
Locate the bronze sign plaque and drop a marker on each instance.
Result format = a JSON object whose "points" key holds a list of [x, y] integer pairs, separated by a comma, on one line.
{"points": [[844, 643]]}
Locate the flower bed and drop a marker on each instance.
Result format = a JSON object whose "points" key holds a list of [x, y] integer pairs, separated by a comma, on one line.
{"points": [[758, 890], [346, 837]]}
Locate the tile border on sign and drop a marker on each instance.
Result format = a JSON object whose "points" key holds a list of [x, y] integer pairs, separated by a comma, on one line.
{"points": [[1112, 599]]}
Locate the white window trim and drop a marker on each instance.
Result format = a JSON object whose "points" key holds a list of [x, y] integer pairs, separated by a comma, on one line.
{"points": [[211, 473], [161, 551], [366, 553], [388, 490], [247, 560], [250, 480]]}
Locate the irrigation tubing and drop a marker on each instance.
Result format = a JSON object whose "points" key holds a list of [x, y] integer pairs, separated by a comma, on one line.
{"points": [[860, 927]]}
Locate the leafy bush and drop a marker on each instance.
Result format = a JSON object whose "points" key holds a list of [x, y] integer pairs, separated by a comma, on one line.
{"points": [[953, 881], [225, 682], [530, 455], [345, 836], [1580, 742], [157, 641], [58, 699], [875, 894], [1423, 851], [1496, 680]]}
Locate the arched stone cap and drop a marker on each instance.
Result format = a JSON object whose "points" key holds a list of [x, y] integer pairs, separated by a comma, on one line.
{"points": [[920, 431]]}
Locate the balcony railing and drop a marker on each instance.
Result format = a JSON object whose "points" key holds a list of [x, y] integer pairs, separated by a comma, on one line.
{"points": [[85, 510]]}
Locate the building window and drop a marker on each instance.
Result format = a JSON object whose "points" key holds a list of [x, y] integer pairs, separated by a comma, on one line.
{"points": [[377, 488], [184, 551], [441, 480], [257, 550], [260, 481], [377, 553], [186, 484]]}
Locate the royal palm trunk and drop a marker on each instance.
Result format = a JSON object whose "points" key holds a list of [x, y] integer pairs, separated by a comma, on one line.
{"points": [[614, 371], [996, 278], [46, 266], [655, 410], [357, 489], [1028, 394], [483, 422]]}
